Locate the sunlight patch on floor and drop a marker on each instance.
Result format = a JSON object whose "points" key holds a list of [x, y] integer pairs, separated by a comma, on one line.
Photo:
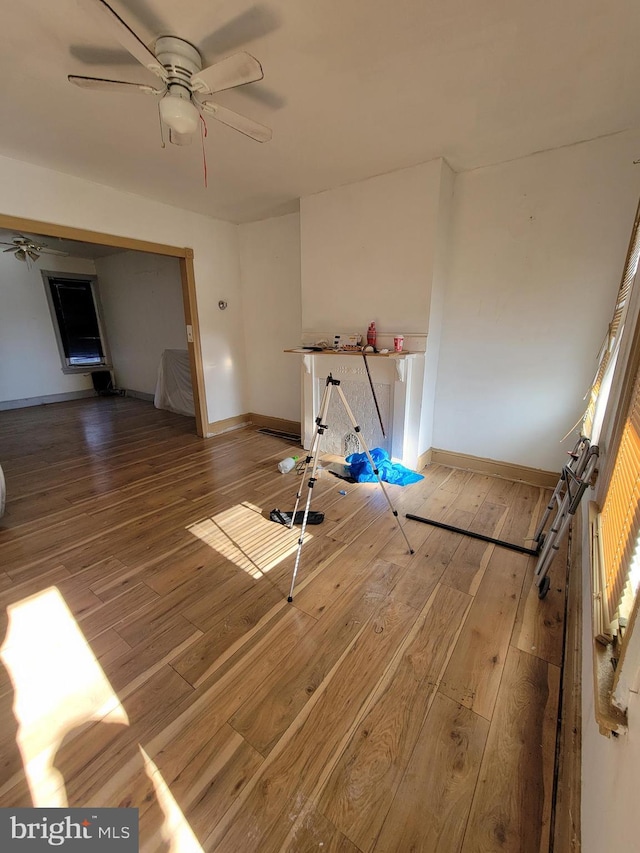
{"points": [[59, 689], [177, 835], [249, 540], [59, 686]]}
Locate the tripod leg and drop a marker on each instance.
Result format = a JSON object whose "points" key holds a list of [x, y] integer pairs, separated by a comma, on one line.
{"points": [[357, 431], [312, 459], [321, 426]]}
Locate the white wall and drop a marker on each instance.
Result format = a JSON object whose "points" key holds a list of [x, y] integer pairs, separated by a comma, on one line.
{"points": [[39, 193], [375, 250], [368, 251], [537, 250], [270, 274], [30, 363], [141, 297]]}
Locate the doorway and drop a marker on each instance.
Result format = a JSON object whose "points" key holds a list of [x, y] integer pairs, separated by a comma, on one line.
{"points": [[187, 277]]}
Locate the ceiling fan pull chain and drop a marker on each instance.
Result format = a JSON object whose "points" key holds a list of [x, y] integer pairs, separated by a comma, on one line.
{"points": [[203, 136]]}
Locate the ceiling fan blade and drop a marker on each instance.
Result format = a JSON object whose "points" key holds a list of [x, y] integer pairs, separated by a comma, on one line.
{"points": [[232, 119], [125, 35], [12, 249], [180, 138], [44, 250], [112, 85], [101, 55], [233, 71]]}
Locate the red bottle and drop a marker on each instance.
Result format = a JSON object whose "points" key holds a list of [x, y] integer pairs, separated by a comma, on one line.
{"points": [[371, 335]]}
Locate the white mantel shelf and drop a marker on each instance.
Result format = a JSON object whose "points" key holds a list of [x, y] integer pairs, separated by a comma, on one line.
{"points": [[398, 379], [390, 354]]}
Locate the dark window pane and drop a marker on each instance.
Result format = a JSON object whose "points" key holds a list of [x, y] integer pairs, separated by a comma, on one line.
{"points": [[77, 321]]}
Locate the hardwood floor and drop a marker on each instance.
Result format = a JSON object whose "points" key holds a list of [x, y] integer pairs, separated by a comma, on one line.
{"points": [[150, 658]]}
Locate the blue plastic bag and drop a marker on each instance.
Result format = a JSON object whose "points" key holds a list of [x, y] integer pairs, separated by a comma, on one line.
{"points": [[391, 472]]}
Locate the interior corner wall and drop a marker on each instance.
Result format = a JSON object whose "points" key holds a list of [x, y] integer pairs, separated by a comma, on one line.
{"points": [[141, 296], [38, 193], [367, 253], [270, 276], [436, 312], [30, 366], [537, 251]]}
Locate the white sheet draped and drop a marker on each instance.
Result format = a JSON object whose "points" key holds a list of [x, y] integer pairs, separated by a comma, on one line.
{"points": [[173, 388]]}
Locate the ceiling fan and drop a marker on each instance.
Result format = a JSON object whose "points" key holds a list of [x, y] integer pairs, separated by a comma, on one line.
{"points": [[185, 84], [24, 248]]}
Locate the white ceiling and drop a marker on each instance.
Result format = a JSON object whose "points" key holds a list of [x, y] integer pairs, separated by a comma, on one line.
{"points": [[352, 88]]}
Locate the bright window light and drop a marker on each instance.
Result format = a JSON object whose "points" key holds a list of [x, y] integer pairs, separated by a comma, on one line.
{"points": [[634, 568]]}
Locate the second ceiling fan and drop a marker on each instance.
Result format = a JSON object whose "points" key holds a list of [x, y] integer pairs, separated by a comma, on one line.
{"points": [[29, 248], [185, 84]]}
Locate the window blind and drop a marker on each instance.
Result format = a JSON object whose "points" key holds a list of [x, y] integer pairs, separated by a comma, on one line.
{"points": [[620, 515]]}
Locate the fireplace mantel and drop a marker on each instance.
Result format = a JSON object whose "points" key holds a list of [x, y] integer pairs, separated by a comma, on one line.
{"points": [[397, 378]]}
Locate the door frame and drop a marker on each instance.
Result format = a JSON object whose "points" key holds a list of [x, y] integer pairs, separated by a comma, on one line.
{"points": [[187, 277]]}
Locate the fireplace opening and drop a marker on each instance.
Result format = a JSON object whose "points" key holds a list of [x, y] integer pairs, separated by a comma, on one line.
{"points": [[350, 444]]}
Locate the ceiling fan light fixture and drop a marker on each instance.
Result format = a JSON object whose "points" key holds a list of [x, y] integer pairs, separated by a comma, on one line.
{"points": [[33, 255], [21, 255], [178, 113]]}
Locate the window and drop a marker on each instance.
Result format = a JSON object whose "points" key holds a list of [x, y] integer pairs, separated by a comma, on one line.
{"points": [[618, 528], [617, 524], [599, 393], [614, 515], [75, 311]]}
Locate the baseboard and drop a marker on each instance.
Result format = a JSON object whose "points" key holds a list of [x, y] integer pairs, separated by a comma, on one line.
{"points": [[279, 424], [251, 418], [48, 398], [424, 459], [508, 470], [227, 424], [139, 395]]}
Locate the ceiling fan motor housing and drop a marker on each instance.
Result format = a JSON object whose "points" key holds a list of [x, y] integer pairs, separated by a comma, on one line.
{"points": [[180, 60]]}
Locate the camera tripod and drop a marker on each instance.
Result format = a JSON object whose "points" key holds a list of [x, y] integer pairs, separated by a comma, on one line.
{"points": [[311, 462]]}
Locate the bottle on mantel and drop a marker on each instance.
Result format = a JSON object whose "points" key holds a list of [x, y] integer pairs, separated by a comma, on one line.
{"points": [[371, 335]]}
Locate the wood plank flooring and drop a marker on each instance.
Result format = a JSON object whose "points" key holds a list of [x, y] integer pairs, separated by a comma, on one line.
{"points": [[149, 657]]}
